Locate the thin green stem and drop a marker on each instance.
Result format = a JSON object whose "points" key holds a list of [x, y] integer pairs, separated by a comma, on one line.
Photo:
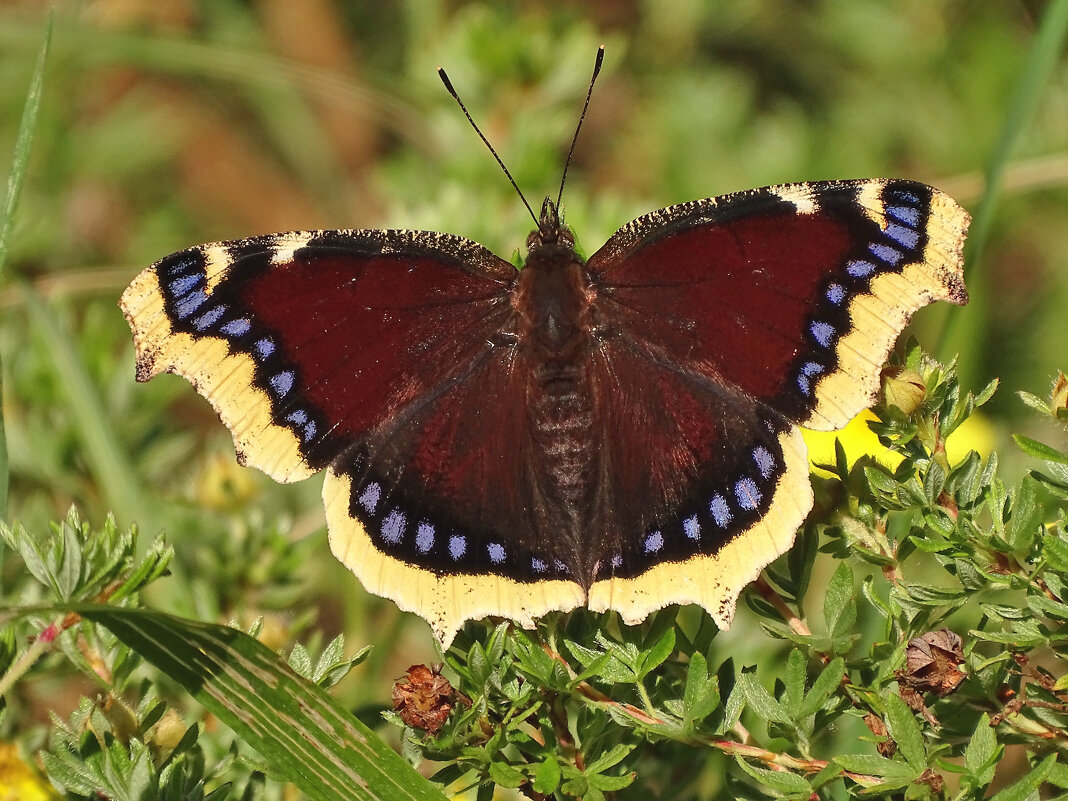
{"points": [[36, 650]]}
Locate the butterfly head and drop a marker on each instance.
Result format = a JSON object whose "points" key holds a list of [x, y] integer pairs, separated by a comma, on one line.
{"points": [[551, 231]]}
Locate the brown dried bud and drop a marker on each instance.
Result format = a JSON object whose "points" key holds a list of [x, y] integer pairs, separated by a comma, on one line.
{"points": [[932, 780], [932, 663], [876, 726], [424, 698]]}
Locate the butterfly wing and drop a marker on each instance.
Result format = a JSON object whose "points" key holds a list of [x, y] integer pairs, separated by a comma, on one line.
{"points": [[773, 308], [305, 342], [385, 355], [793, 294]]}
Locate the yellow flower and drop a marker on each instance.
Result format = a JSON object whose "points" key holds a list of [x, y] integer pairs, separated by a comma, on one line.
{"points": [[18, 781], [975, 434]]}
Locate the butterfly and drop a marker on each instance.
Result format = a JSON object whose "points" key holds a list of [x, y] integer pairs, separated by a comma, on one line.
{"points": [[621, 433]]}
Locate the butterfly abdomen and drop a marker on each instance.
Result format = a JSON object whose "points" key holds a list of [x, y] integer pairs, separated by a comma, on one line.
{"points": [[553, 300]]}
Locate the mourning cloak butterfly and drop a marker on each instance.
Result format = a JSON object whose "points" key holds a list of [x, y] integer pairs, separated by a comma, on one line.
{"points": [[620, 433]]}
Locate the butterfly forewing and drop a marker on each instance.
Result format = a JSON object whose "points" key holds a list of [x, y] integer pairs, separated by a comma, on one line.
{"points": [[308, 342], [792, 294]]}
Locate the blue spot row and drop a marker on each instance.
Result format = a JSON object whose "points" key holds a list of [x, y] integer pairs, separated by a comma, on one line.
{"points": [[305, 424], [741, 496], [885, 253], [183, 282], [744, 495], [395, 525]]}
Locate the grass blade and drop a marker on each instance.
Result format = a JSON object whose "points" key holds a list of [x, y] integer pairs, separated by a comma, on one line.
{"points": [[7, 215], [308, 737], [110, 466], [964, 328]]}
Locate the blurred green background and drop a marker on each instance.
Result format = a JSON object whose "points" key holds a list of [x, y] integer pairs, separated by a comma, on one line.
{"points": [[166, 123]]}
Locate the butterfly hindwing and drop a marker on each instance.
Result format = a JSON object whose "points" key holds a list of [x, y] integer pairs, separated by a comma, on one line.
{"points": [[702, 487]]}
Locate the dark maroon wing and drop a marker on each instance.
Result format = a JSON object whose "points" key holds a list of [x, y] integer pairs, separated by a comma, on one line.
{"points": [[307, 342], [792, 294], [722, 324], [389, 357]]}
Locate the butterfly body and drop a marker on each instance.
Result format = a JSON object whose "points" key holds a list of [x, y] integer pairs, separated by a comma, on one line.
{"points": [[620, 433]]}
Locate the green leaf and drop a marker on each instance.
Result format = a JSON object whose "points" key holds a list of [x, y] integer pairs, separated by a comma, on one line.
{"points": [[794, 683], [905, 731], [1027, 514], [1029, 784], [305, 735], [1034, 402], [934, 481], [701, 694], [547, 776], [761, 701], [1041, 605], [656, 655], [1039, 450], [889, 770], [839, 606], [609, 759], [982, 753], [822, 688], [505, 775], [1055, 551], [776, 779]]}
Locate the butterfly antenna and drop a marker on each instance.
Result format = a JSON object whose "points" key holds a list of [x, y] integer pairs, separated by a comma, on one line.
{"points": [[448, 85], [585, 107]]}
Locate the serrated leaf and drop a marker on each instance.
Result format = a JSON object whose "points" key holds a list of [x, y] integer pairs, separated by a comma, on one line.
{"points": [[1029, 784], [1027, 514], [610, 784], [781, 781], [794, 683], [1039, 450], [823, 687], [867, 588], [505, 775], [606, 665], [696, 678], [839, 606], [1041, 605], [1055, 551], [905, 731], [761, 701], [308, 738], [609, 759], [656, 655], [300, 661], [889, 770], [547, 776], [1009, 638], [934, 481], [982, 752], [1034, 402], [531, 658]]}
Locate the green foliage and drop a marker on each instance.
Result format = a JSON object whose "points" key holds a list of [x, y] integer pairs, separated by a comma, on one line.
{"points": [[813, 691]]}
